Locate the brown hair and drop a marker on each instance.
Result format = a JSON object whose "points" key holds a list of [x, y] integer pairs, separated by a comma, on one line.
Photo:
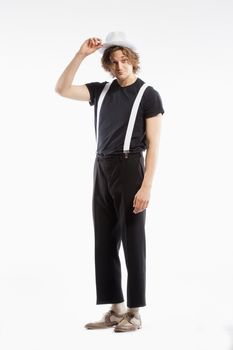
{"points": [[130, 54]]}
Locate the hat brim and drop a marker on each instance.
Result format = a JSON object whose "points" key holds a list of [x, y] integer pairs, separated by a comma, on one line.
{"points": [[117, 43]]}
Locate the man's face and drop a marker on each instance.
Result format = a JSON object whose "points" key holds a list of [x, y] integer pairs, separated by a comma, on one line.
{"points": [[120, 67]]}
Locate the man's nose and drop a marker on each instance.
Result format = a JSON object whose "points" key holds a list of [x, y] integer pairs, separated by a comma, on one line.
{"points": [[119, 65]]}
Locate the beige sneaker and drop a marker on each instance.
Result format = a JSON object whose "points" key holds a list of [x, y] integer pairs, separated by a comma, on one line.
{"points": [[130, 322], [110, 319]]}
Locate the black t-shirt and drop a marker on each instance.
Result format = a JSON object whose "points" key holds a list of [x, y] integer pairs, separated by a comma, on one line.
{"points": [[115, 113]]}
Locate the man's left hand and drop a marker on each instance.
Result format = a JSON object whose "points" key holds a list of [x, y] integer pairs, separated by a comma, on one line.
{"points": [[141, 200]]}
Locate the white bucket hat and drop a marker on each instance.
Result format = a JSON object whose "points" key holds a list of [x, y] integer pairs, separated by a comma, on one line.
{"points": [[116, 39]]}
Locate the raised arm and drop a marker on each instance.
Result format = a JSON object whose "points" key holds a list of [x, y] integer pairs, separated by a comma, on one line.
{"points": [[64, 85]]}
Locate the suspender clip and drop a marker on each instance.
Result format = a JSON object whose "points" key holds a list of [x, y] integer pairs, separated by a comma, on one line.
{"points": [[126, 154]]}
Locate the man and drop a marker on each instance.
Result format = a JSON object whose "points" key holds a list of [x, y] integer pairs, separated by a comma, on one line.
{"points": [[127, 122]]}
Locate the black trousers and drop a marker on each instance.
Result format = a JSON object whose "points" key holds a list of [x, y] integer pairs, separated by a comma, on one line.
{"points": [[116, 181]]}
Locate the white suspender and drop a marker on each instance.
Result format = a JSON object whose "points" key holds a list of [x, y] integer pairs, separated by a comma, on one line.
{"points": [[101, 98], [132, 118]]}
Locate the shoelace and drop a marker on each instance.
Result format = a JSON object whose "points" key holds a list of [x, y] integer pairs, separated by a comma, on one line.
{"points": [[128, 316]]}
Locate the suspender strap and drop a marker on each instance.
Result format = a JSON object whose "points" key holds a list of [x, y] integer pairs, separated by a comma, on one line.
{"points": [[132, 119], [101, 98]]}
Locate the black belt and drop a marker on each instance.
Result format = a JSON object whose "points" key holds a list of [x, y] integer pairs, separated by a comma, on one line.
{"points": [[119, 155]]}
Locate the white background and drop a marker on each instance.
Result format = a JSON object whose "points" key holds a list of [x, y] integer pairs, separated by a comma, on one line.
{"points": [[47, 148]]}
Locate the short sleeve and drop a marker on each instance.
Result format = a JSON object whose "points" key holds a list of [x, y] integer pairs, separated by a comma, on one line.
{"points": [[152, 103], [95, 89]]}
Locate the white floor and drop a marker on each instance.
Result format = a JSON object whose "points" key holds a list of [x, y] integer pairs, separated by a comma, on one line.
{"points": [[42, 308]]}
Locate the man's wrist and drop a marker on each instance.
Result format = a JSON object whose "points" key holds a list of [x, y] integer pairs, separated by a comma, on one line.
{"points": [[81, 55], [147, 186]]}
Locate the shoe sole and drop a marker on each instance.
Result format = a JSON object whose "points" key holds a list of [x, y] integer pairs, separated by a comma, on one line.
{"points": [[122, 330], [99, 327]]}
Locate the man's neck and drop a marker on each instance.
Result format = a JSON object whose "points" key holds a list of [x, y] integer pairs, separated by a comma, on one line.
{"points": [[128, 81]]}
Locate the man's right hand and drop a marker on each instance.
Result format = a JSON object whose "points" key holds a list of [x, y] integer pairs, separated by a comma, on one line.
{"points": [[90, 46], [65, 86]]}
